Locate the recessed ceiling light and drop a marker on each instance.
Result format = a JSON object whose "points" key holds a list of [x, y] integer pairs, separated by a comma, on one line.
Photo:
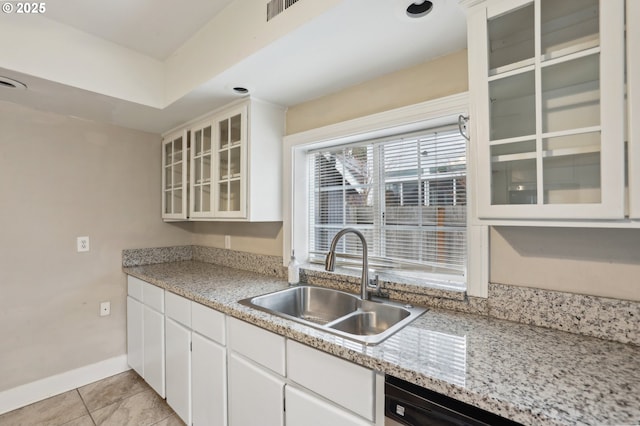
{"points": [[10, 83], [418, 9], [240, 90]]}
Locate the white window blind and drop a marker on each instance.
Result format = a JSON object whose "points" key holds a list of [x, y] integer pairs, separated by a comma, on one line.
{"points": [[406, 194]]}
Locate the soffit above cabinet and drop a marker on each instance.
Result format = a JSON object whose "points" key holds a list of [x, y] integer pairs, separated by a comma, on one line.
{"points": [[321, 48]]}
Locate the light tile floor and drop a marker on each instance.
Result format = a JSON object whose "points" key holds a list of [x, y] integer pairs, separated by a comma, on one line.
{"points": [[120, 400]]}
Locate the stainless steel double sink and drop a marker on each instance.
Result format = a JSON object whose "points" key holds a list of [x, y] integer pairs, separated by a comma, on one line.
{"points": [[344, 314]]}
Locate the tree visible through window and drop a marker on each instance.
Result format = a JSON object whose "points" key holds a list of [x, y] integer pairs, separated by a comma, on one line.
{"points": [[406, 194]]}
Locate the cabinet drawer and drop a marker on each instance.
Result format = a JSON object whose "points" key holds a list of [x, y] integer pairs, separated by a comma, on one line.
{"points": [[308, 410], [208, 322], [349, 385], [153, 296], [134, 287], [263, 347], [178, 308]]}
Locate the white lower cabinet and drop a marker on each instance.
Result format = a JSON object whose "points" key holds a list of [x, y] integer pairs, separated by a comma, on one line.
{"points": [[208, 367], [146, 334], [305, 409], [348, 385], [256, 375], [321, 389], [195, 362], [135, 335], [208, 382], [220, 371], [178, 369], [256, 395], [153, 367]]}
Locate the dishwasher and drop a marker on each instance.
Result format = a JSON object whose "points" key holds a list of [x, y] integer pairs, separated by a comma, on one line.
{"points": [[407, 404]]}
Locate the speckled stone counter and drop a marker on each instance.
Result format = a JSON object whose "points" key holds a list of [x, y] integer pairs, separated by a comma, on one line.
{"points": [[530, 374]]}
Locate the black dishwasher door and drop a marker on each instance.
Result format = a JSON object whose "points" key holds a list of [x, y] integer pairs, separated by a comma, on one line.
{"points": [[411, 405]]}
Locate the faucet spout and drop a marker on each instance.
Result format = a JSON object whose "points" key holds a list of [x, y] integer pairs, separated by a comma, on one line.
{"points": [[330, 260]]}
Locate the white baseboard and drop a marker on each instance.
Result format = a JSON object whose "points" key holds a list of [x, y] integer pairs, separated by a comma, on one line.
{"points": [[29, 393]]}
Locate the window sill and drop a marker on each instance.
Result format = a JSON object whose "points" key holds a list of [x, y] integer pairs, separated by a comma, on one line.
{"points": [[406, 289]]}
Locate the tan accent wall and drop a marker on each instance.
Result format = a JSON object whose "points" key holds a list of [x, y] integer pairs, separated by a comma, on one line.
{"points": [[434, 79], [61, 178], [599, 262], [260, 238]]}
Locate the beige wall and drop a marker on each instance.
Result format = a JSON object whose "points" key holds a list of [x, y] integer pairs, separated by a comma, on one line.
{"points": [[441, 77], [61, 178], [261, 238], [600, 262]]}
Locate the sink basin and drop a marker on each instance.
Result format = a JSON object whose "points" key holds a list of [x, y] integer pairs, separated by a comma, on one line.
{"points": [[372, 318], [344, 314], [314, 304]]}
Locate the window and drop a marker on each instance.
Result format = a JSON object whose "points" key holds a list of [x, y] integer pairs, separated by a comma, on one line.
{"points": [[437, 184], [405, 193]]}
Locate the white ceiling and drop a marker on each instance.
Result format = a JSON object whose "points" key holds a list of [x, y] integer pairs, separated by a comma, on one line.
{"points": [[353, 42], [155, 28]]}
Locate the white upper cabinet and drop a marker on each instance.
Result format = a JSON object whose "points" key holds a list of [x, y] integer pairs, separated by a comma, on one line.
{"points": [[231, 163], [234, 171], [633, 105], [547, 90], [175, 160], [201, 170]]}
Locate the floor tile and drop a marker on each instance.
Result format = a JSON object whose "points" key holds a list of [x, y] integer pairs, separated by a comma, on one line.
{"points": [[54, 411], [143, 409], [172, 420], [81, 421], [112, 389]]}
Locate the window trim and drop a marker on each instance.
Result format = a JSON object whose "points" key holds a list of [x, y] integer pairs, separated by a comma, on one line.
{"points": [[401, 120]]}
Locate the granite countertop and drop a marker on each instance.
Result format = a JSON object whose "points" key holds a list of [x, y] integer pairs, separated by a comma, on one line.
{"points": [[529, 374]]}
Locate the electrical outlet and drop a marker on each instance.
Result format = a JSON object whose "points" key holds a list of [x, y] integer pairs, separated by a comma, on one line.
{"points": [[105, 309], [227, 241], [83, 244]]}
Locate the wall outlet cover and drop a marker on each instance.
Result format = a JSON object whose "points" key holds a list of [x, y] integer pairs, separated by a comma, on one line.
{"points": [[83, 244], [105, 309]]}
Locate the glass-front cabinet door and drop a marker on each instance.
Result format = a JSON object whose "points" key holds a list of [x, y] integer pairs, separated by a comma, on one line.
{"points": [[548, 87], [175, 156], [201, 170], [231, 173]]}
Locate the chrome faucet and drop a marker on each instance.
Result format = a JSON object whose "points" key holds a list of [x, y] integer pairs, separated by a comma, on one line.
{"points": [[330, 261]]}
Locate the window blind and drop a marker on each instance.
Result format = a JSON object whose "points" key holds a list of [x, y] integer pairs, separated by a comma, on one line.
{"points": [[406, 194]]}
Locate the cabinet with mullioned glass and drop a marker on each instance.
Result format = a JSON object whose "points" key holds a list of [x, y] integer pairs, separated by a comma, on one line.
{"points": [[546, 80], [175, 160], [235, 167]]}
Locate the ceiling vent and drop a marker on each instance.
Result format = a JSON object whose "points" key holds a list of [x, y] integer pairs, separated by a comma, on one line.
{"points": [[276, 7]]}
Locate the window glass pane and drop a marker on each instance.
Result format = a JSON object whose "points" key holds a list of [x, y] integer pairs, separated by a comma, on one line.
{"points": [[223, 196], [512, 107], [177, 149], [568, 26], [168, 197], [511, 38], [206, 139], [235, 128], [223, 127], [234, 195], [177, 201], [407, 195], [168, 182], [198, 142]]}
